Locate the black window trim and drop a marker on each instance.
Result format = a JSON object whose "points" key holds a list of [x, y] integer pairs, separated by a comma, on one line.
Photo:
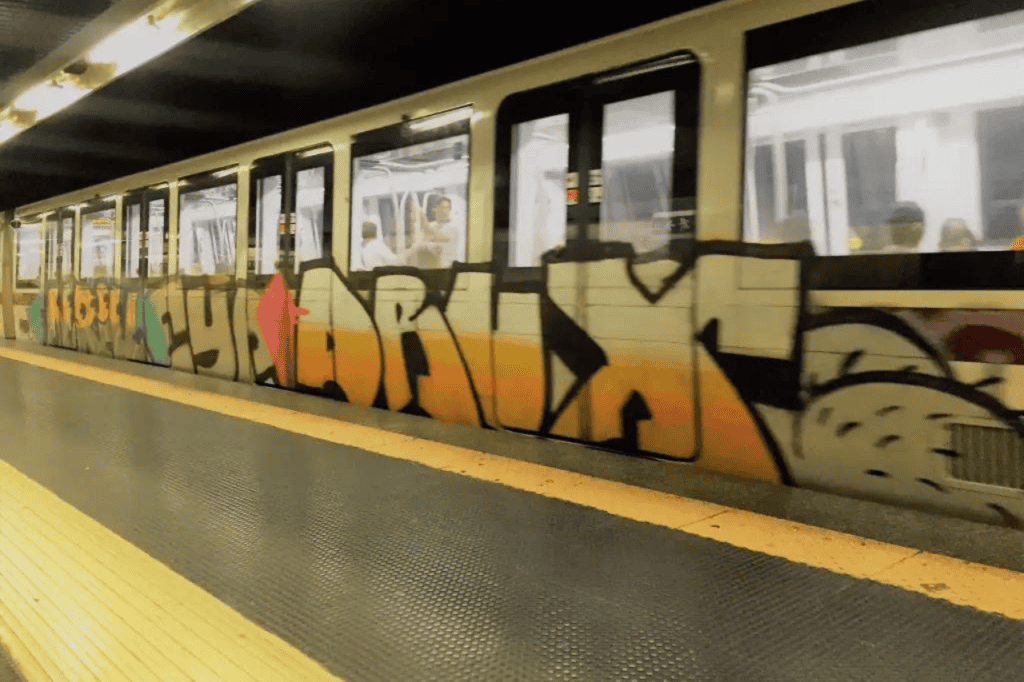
{"points": [[89, 208], [276, 164], [37, 281], [641, 78], [143, 196], [399, 136], [218, 177]]}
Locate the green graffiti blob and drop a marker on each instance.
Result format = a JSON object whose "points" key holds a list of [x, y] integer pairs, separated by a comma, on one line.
{"points": [[35, 317], [156, 339]]}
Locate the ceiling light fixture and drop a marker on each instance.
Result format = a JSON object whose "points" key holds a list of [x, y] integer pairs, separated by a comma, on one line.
{"points": [[149, 36], [138, 42], [48, 98], [8, 130], [441, 120]]}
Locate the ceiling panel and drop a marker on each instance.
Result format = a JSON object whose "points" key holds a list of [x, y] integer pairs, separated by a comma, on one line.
{"points": [[283, 63]]}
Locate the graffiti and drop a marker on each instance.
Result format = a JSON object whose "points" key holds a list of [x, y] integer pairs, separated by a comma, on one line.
{"points": [[603, 348]]}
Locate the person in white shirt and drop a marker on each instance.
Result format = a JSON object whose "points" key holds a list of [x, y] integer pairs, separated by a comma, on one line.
{"points": [[375, 252], [442, 231]]}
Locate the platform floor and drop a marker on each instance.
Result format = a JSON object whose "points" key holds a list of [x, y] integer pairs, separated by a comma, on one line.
{"points": [[153, 530]]}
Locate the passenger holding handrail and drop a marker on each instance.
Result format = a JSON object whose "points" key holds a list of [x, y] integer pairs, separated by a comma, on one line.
{"points": [[436, 242], [442, 231]]}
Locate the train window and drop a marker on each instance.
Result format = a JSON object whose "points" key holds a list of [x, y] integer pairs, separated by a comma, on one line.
{"points": [[605, 163], [268, 210], [290, 191], [132, 256], [50, 230], [30, 253], [157, 236], [65, 237], [409, 201], [207, 228], [540, 160], [907, 144], [132, 228], [310, 199], [97, 258], [637, 150]]}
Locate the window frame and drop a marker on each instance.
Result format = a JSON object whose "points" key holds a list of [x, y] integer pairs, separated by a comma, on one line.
{"points": [[392, 138], [584, 99], [143, 196], [89, 208], [282, 164], [37, 281], [842, 28], [220, 177]]}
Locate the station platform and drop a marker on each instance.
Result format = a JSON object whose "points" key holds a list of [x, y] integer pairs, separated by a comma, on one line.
{"points": [[162, 526]]}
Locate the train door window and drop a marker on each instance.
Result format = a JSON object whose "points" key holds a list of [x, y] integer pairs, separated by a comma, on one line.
{"points": [[268, 211], [540, 160], [290, 204], [796, 177], [144, 242], [67, 239], [614, 154], [913, 139], [1001, 149], [156, 241], [764, 181], [310, 199], [29, 240], [207, 224], [97, 256], [410, 188], [52, 245], [637, 148], [130, 250], [869, 158]]}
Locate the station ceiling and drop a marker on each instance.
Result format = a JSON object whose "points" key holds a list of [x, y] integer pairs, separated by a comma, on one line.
{"points": [[275, 65]]}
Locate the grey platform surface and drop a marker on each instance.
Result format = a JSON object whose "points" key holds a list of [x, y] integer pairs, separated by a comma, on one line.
{"points": [[387, 570]]}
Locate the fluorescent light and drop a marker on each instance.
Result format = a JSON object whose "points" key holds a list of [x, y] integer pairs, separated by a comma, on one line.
{"points": [[138, 42], [8, 130], [225, 173], [441, 120], [48, 98]]}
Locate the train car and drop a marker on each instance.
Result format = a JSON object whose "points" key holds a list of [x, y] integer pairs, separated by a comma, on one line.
{"points": [[774, 240]]}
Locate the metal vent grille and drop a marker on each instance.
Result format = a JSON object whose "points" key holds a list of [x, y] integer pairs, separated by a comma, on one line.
{"points": [[988, 454]]}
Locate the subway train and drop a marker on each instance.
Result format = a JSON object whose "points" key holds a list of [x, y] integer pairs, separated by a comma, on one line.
{"points": [[776, 240]]}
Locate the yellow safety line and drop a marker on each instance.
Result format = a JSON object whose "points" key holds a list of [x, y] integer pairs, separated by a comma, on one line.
{"points": [[77, 602], [960, 582]]}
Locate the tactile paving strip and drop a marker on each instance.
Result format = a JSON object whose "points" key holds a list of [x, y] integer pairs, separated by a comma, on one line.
{"points": [[386, 570]]}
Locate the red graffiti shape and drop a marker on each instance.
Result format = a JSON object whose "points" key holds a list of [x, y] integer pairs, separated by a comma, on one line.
{"points": [[277, 316], [981, 343]]}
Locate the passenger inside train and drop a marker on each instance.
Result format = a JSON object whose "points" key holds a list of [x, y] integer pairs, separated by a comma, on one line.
{"points": [[956, 236], [905, 228], [375, 252]]}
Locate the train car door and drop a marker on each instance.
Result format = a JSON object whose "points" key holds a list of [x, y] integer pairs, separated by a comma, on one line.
{"points": [[60, 280], [290, 209], [142, 292], [95, 278], [594, 239]]}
